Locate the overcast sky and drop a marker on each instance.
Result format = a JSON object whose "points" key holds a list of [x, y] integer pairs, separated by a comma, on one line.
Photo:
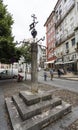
{"points": [[22, 11]]}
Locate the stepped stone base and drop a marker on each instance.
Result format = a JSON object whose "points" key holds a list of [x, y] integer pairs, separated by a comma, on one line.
{"points": [[31, 98], [28, 112], [34, 112]]}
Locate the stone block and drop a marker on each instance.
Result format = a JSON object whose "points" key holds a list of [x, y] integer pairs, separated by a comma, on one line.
{"points": [[27, 112], [46, 118], [31, 98], [36, 122]]}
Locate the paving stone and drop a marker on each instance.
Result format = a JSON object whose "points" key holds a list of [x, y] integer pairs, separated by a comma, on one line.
{"points": [[63, 123], [39, 121], [30, 111], [31, 98], [3, 121]]}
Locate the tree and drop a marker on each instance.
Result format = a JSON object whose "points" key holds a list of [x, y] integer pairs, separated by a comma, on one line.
{"points": [[7, 47], [26, 53]]}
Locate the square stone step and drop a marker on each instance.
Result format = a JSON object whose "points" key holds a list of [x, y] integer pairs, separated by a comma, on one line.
{"points": [[13, 114], [47, 117], [27, 112], [37, 122], [31, 98]]}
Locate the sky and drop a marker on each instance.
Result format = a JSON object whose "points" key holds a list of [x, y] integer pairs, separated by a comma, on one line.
{"points": [[22, 11]]}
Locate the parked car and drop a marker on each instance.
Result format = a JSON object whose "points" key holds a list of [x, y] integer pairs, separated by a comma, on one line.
{"points": [[8, 73]]}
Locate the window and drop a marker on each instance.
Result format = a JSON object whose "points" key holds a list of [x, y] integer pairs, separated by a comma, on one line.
{"points": [[60, 28], [67, 45], [71, 19], [65, 21], [56, 31], [77, 5], [73, 41], [65, 0], [60, 10], [57, 14]]}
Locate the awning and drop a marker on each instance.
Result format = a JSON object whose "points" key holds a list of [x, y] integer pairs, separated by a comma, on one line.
{"points": [[69, 62], [48, 62], [59, 63]]}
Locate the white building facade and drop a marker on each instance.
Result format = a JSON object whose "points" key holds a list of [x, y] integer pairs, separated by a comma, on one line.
{"points": [[66, 39], [66, 34]]}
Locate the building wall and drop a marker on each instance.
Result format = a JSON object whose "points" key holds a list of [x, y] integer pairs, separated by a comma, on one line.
{"points": [[50, 38], [4, 66], [66, 33]]}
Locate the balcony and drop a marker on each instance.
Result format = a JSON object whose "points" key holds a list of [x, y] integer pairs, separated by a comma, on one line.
{"points": [[76, 49], [76, 28], [64, 38], [68, 7], [58, 21], [67, 50], [58, 42]]}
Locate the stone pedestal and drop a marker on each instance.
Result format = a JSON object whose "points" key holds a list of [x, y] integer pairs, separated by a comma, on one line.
{"points": [[34, 111]]}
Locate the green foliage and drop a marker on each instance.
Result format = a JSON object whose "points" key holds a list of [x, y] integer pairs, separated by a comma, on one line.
{"points": [[6, 21], [26, 53], [17, 54], [8, 51]]}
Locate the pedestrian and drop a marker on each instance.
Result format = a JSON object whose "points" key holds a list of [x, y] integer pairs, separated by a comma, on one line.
{"points": [[51, 73], [45, 75], [59, 73]]}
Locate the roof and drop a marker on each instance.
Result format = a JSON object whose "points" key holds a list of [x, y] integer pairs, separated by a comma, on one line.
{"points": [[49, 18]]}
